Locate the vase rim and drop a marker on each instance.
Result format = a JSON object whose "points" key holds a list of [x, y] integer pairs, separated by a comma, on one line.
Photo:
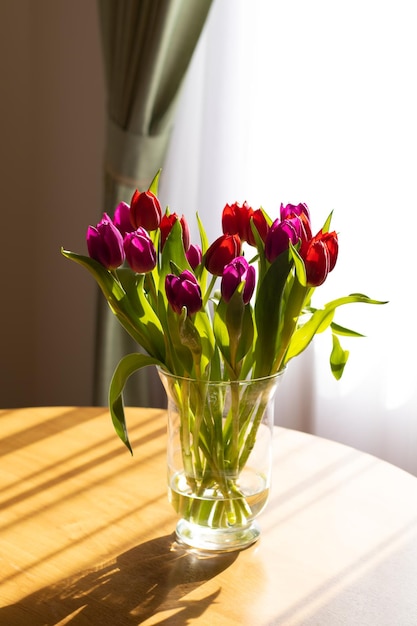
{"points": [[241, 381]]}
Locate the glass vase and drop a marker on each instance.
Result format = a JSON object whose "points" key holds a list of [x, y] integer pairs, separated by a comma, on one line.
{"points": [[219, 457]]}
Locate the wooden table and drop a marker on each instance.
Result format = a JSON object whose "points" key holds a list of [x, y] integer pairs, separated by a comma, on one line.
{"points": [[87, 534]]}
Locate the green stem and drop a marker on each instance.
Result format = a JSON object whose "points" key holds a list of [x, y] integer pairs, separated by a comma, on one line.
{"points": [[246, 447], [296, 300], [235, 424], [209, 290], [185, 434]]}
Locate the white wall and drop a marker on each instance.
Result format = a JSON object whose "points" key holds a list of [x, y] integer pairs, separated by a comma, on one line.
{"points": [[51, 117], [322, 110]]}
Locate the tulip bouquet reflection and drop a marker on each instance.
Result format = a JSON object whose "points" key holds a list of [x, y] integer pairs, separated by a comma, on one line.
{"points": [[235, 309]]}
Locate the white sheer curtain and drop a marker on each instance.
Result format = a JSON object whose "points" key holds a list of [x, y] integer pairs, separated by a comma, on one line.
{"points": [[315, 102]]}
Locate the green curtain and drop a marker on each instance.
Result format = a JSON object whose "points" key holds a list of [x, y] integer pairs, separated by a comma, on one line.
{"points": [[147, 47]]}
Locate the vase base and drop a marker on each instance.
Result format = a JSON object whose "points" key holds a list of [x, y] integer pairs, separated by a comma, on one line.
{"points": [[216, 539]]}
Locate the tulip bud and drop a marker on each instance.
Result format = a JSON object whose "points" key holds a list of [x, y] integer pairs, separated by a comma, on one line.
{"points": [[236, 220], [183, 290], [332, 243], [145, 210], [234, 273], [221, 252], [261, 225], [279, 236], [320, 257], [290, 210], [298, 212], [194, 255], [167, 222], [105, 243], [121, 218], [140, 251]]}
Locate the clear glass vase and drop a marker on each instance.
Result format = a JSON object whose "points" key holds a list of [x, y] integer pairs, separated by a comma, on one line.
{"points": [[219, 456]]}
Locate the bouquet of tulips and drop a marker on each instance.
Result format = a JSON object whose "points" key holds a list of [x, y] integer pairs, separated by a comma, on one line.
{"points": [[235, 309]]}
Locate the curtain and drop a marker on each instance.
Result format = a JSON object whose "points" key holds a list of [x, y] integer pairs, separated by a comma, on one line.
{"points": [[315, 102], [147, 46]]}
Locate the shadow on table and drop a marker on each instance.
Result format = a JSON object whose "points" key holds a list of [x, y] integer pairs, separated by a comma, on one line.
{"points": [[150, 578]]}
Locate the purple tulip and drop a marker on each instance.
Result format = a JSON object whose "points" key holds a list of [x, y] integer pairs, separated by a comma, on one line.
{"points": [[301, 215], [121, 218], [234, 273], [183, 290], [140, 251], [279, 236], [105, 243], [290, 210], [194, 255]]}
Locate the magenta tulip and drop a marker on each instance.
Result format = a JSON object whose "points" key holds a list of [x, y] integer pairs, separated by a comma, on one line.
{"points": [[183, 291], [105, 243], [121, 218], [234, 274], [279, 236], [194, 255], [140, 251], [301, 214]]}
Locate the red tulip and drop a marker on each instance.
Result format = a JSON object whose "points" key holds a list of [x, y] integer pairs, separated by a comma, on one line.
{"points": [[261, 225], [145, 210], [236, 220], [320, 257], [221, 252], [167, 222]]}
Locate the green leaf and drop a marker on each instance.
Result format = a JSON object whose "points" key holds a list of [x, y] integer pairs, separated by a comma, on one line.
{"points": [[203, 325], [105, 279], [172, 253], [239, 325], [338, 358], [293, 305], [127, 366], [134, 286], [153, 187], [300, 268], [190, 336], [201, 272], [260, 246], [268, 312], [346, 332], [203, 235], [326, 225], [125, 306], [247, 334], [221, 333], [303, 335], [181, 356]]}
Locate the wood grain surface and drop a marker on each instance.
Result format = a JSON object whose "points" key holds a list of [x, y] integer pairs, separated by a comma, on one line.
{"points": [[87, 534]]}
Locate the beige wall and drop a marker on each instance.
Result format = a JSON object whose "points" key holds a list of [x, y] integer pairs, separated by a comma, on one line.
{"points": [[51, 143]]}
